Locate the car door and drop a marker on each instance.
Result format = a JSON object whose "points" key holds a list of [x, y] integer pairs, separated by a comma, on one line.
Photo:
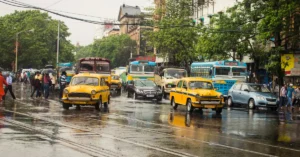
{"points": [[244, 94], [178, 93], [184, 94], [235, 93]]}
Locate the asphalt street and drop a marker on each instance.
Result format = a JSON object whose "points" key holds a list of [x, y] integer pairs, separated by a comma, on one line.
{"points": [[42, 128]]}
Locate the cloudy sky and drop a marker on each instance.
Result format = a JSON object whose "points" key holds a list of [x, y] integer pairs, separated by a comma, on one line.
{"points": [[81, 32]]}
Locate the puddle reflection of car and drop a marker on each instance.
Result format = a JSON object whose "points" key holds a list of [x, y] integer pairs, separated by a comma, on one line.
{"points": [[252, 96], [196, 93], [116, 84], [180, 120], [86, 89], [145, 89]]}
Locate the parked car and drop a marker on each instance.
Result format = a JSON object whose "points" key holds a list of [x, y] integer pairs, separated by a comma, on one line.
{"points": [[145, 89], [251, 95], [86, 89], [196, 92]]}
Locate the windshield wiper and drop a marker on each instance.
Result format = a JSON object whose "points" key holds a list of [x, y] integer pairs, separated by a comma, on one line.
{"points": [[143, 84]]}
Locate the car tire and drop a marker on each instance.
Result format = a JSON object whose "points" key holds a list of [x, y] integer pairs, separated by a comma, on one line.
{"points": [[251, 104], [229, 102], [219, 110], [98, 105], [189, 106], [66, 106], [173, 104]]}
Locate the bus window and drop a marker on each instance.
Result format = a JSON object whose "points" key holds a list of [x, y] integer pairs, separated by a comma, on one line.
{"points": [[149, 68], [102, 66], [204, 71], [222, 70], [136, 68], [238, 71]]}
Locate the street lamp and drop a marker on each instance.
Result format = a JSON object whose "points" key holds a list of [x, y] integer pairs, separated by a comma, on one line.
{"points": [[17, 45]]}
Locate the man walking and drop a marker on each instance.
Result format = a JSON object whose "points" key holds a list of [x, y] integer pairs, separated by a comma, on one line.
{"points": [[47, 83], [37, 83], [9, 87], [282, 95], [2, 81], [62, 83]]}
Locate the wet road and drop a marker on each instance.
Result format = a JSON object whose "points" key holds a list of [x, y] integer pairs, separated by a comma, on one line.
{"points": [[37, 127]]}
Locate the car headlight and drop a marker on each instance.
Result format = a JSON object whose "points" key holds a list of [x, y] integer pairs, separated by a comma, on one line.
{"points": [[139, 91], [260, 97], [93, 92], [66, 91]]}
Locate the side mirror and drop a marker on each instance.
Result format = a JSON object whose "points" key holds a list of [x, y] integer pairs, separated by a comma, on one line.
{"points": [[247, 90]]}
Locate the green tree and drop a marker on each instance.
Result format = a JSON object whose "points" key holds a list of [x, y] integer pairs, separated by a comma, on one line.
{"points": [[115, 48], [175, 35], [35, 49]]}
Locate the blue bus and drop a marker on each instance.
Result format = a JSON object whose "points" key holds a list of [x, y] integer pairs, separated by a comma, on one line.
{"points": [[223, 73]]}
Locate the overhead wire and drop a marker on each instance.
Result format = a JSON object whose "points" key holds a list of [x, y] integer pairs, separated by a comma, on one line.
{"points": [[53, 4], [16, 3]]}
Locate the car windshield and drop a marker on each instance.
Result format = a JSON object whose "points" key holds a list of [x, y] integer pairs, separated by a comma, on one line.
{"points": [[200, 85], [259, 88], [85, 81], [175, 74], [115, 77], [144, 83]]}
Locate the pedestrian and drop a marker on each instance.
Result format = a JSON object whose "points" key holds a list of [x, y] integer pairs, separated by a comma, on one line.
{"points": [[2, 81], [37, 83], [282, 95], [290, 91], [296, 98], [24, 78], [9, 87], [47, 83], [62, 83]]}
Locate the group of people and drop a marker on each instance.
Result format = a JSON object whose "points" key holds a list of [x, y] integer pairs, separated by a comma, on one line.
{"points": [[289, 96], [41, 84]]}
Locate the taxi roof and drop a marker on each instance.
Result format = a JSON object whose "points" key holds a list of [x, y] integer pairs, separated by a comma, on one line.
{"points": [[90, 75], [195, 79]]}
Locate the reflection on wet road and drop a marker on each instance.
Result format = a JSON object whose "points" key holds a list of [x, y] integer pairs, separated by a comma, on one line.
{"points": [[142, 128]]}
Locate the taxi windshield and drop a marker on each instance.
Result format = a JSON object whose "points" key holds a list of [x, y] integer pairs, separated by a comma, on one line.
{"points": [[115, 77], [200, 85], [92, 81], [175, 74]]}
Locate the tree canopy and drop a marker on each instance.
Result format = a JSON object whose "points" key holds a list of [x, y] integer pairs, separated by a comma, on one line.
{"points": [[115, 48], [35, 49]]}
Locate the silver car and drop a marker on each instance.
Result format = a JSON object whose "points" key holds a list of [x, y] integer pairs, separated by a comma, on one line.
{"points": [[251, 95]]}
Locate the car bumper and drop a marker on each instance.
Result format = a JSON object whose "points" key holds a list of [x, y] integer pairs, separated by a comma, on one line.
{"points": [[264, 103], [151, 96], [80, 101], [208, 104]]}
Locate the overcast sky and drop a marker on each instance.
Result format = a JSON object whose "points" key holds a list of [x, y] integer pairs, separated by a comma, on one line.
{"points": [[81, 32]]}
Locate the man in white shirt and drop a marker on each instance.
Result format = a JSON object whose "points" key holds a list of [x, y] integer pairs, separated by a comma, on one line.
{"points": [[9, 87]]}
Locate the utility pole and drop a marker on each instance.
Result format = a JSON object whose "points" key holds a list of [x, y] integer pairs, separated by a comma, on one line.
{"points": [[17, 44], [57, 49]]}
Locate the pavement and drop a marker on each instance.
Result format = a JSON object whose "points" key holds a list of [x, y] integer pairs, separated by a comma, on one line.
{"points": [[42, 128]]}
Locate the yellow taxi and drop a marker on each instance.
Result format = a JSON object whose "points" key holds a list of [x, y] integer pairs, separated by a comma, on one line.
{"points": [[86, 89], [196, 93], [116, 83]]}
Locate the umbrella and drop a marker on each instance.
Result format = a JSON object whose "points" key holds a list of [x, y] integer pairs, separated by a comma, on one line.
{"points": [[47, 71]]}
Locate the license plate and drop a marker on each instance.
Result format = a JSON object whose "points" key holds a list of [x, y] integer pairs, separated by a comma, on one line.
{"points": [[272, 103], [149, 96]]}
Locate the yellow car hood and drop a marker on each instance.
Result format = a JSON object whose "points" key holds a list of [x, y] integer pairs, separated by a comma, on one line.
{"points": [[206, 92], [81, 89], [115, 81]]}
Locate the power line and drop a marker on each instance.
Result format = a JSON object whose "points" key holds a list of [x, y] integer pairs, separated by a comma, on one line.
{"points": [[53, 4]]}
